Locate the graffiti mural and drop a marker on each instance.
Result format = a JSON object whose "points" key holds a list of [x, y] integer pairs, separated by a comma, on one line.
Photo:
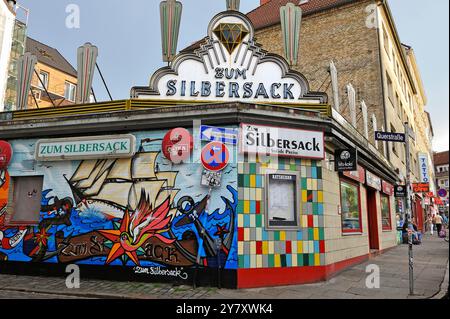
{"points": [[142, 211]]}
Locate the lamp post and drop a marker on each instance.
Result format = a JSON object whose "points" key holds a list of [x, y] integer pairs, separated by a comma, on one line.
{"points": [[408, 211]]}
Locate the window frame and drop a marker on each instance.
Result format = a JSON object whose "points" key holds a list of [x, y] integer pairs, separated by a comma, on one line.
{"points": [[382, 195], [71, 85], [347, 232], [46, 83], [298, 194]]}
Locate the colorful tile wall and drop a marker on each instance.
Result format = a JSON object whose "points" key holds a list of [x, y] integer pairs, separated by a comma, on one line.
{"points": [[261, 248]]}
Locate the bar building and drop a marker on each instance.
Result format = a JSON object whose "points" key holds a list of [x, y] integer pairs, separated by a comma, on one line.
{"points": [[177, 185]]}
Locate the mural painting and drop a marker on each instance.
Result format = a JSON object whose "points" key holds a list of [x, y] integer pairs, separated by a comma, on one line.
{"points": [[142, 211]]}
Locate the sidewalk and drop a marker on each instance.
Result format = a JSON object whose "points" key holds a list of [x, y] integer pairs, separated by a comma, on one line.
{"points": [[430, 273]]}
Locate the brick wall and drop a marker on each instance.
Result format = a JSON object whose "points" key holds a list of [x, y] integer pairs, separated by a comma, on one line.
{"points": [[340, 35]]}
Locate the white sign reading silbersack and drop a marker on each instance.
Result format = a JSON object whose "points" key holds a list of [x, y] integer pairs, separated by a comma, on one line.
{"points": [[279, 141]]}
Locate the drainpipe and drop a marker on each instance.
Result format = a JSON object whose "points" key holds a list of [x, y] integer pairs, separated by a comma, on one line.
{"points": [[383, 92]]}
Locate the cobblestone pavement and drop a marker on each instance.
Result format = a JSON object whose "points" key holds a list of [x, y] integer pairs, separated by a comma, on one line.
{"points": [[430, 269]]}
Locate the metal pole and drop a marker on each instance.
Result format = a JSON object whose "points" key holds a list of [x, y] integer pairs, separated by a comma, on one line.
{"points": [[408, 212], [45, 89], [104, 82]]}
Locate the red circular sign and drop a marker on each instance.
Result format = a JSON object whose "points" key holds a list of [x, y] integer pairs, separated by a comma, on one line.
{"points": [[177, 145], [5, 154], [215, 156]]}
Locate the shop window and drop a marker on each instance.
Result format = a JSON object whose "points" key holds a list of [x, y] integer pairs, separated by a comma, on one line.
{"points": [[386, 212], [27, 193], [283, 200], [350, 207]]}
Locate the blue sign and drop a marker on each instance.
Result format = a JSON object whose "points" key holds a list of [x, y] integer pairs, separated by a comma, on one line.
{"points": [[219, 134]]}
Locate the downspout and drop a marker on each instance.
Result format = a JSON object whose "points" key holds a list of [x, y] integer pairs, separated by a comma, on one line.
{"points": [[383, 92]]}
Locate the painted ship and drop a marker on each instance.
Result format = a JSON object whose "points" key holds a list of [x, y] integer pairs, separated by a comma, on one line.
{"points": [[114, 186]]}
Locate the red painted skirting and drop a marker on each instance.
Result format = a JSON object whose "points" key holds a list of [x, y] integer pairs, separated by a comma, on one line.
{"points": [[268, 277]]}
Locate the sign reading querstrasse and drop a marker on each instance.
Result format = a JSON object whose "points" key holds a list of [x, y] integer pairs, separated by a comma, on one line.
{"points": [[390, 137]]}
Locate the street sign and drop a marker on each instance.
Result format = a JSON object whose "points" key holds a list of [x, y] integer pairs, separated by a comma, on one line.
{"points": [[219, 134], [390, 137], [346, 160], [421, 187], [442, 192], [400, 191], [215, 156], [211, 179]]}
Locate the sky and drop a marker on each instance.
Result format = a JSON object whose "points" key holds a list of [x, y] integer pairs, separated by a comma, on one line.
{"points": [[127, 34]]}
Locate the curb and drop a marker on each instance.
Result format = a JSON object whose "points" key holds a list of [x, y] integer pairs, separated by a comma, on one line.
{"points": [[444, 286], [74, 294]]}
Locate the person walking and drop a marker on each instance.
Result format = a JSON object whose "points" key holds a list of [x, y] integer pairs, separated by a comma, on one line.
{"points": [[430, 224], [438, 223]]}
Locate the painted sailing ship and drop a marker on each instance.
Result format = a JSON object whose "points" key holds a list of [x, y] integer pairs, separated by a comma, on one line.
{"points": [[115, 186]]}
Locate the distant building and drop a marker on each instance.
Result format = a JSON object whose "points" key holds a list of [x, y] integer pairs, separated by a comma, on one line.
{"points": [[56, 76], [441, 166], [7, 17]]}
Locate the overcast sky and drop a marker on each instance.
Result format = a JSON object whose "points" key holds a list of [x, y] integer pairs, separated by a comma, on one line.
{"points": [[128, 36]]}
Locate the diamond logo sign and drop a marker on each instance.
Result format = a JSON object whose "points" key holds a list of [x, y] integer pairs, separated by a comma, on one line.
{"points": [[230, 35]]}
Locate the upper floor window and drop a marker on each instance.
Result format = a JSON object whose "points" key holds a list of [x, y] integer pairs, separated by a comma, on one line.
{"points": [[386, 41], [390, 88], [69, 91], [43, 83]]}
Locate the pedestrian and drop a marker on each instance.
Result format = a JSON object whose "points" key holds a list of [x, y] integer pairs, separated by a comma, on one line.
{"points": [[429, 224], [438, 223]]}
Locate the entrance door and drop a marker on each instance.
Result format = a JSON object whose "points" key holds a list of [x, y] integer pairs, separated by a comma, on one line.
{"points": [[372, 217]]}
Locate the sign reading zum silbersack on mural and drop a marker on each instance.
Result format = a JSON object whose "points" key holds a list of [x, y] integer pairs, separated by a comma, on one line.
{"points": [[92, 147], [280, 141], [229, 66]]}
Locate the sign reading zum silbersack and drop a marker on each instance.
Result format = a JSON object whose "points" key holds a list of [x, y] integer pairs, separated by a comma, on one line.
{"points": [[80, 148], [280, 141]]}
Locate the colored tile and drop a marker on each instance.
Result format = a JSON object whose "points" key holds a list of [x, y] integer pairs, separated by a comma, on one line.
{"points": [[299, 235], [252, 168], [253, 248], [240, 248], [252, 220], [241, 180], [294, 260], [246, 234], [316, 234], [246, 261], [316, 246], [240, 207], [246, 207], [253, 261], [253, 181], [313, 172], [259, 261], [271, 247], [265, 235], [276, 235], [321, 234], [265, 248], [311, 246], [300, 260], [304, 196], [241, 262], [246, 220], [319, 172], [322, 246], [311, 259], [306, 260], [320, 196], [288, 248], [299, 247], [304, 183], [240, 234], [252, 234], [277, 260], [253, 208], [241, 220], [259, 249], [310, 222], [305, 245], [258, 220], [257, 207], [258, 233], [288, 260], [282, 235], [259, 181], [246, 180], [283, 262], [271, 260]]}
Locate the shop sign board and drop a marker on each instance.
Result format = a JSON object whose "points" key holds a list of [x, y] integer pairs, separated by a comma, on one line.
{"points": [[80, 148], [357, 175], [283, 142], [373, 181], [220, 134], [421, 187], [229, 66], [400, 191], [423, 166], [346, 160], [388, 189], [390, 137]]}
